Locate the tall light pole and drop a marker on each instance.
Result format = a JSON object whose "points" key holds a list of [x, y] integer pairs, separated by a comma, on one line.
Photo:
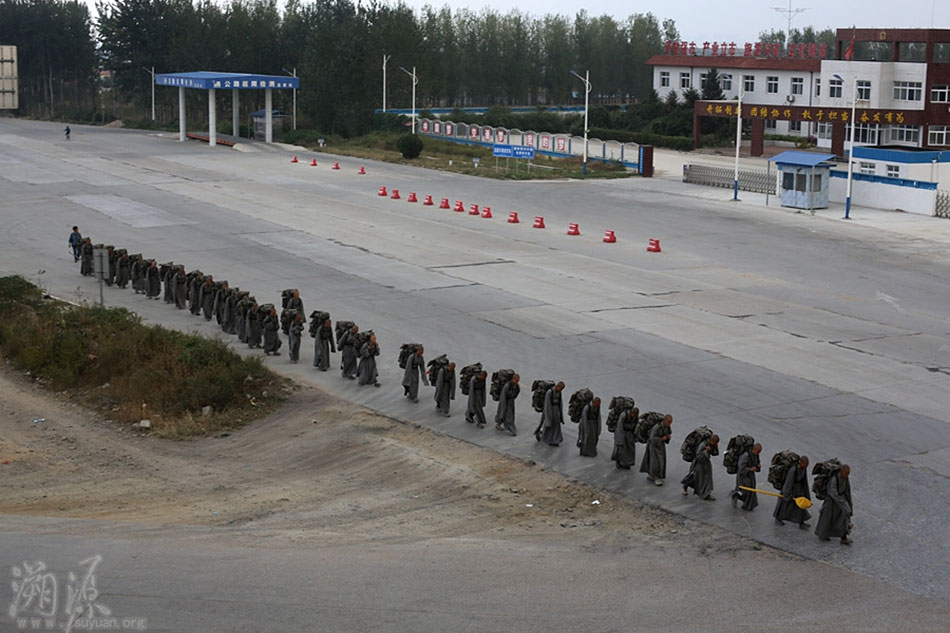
{"points": [[586, 80], [735, 179], [854, 105], [152, 73], [293, 74], [385, 60], [415, 80]]}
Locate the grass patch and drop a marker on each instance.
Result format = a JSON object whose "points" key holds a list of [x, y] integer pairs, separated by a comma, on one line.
{"points": [[456, 157], [111, 361]]}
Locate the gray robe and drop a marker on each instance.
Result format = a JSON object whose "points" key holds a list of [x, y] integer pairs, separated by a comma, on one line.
{"points": [[444, 389], [625, 443], [701, 471], [366, 372], [348, 355], [168, 285], [194, 295], [836, 511], [748, 460], [654, 456], [153, 282], [796, 485], [415, 367], [552, 417], [253, 328], [322, 346], [475, 408], [181, 290], [296, 329], [206, 297], [110, 277], [588, 431], [122, 272], [295, 303], [271, 329], [505, 415], [86, 266], [218, 307]]}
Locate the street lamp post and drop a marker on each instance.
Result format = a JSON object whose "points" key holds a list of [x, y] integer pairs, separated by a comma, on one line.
{"points": [[586, 80], [385, 60], [415, 80], [293, 73], [152, 73], [735, 178], [854, 105]]}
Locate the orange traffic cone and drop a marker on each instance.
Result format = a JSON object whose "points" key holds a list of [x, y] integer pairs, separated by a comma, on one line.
{"points": [[428, 201], [486, 212], [362, 170], [573, 229], [538, 222], [513, 217], [444, 204], [412, 197], [473, 210], [395, 195], [336, 165], [382, 191], [609, 237], [459, 206], [654, 246], [294, 159], [313, 162]]}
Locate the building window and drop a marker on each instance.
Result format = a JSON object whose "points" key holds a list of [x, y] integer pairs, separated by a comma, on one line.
{"points": [[770, 124], [942, 52], [905, 134], [834, 88], [684, 80], [748, 83], [864, 90], [824, 130], [817, 86], [702, 79], [938, 135], [725, 82], [794, 126], [864, 133], [911, 51], [940, 94], [907, 90], [664, 79], [798, 85], [893, 171], [865, 168], [816, 182], [771, 85]]}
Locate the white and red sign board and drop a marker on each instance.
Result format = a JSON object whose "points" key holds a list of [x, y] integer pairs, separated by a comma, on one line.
{"points": [[545, 141], [486, 134], [437, 127], [425, 126], [473, 131], [501, 136], [560, 144], [529, 139], [448, 129]]}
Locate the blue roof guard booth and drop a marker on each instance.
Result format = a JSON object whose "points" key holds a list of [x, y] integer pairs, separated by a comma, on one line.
{"points": [[803, 179]]}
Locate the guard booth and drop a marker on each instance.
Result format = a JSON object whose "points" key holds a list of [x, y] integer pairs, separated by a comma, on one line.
{"points": [[803, 179], [259, 119]]}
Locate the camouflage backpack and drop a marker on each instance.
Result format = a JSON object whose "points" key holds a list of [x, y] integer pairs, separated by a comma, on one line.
{"points": [[435, 365], [734, 450], [499, 379], [341, 328], [822, 473], [647, 421], [618, 404], [405, 351], [692, 441], [466, 375], [538, 389], [778, 471], [579, 399]]}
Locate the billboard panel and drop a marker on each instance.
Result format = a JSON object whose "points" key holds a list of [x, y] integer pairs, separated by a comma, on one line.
{"points": [[9, 83]]}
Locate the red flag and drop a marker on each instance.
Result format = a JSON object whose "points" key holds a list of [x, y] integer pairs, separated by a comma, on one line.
{"points": [[848, 54]]}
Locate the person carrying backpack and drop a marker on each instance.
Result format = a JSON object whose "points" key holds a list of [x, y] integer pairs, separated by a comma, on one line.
{"points": [[415, 367], [796, 485], [749, 465], [654, 457], [588, 430], [475, 408], [700, 476], [834, 519], [552, 417], [505, 415]]}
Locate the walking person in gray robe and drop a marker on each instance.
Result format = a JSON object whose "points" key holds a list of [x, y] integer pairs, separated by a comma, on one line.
{"points": [[348, 353], [122, 267], [153, 281], [588, 429], [271, 327], [253, 326], [295, 332], [625, 442], [295, 303], [194, 293], [475, 407], [367, 373], [181, 288], [837, 509], [168, 285], [445, 389], [505, 415], [323, 345], [749, 465], [552, 417], [111, 259], [206, 297], [796, 485], [700, 476], [654, 457], [86, 266], [220, 300], [415, 367]]}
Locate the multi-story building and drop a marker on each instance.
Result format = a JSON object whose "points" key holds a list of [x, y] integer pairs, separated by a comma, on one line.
{"points": [[898, 80]]}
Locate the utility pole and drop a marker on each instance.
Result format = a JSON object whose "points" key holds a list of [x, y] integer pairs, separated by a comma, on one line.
{"points": [[789, 13], [385, 59], [415, 80], [152, 73], [586, 80]]}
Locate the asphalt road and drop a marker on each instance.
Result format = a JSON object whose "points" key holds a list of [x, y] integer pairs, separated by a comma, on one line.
{"points": [[824, 338]]}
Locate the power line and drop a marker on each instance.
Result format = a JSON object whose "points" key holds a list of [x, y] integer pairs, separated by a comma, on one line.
{"points": [[789, 14]]}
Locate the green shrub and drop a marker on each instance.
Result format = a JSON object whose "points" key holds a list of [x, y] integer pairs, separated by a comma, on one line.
{"points": [[409, 145]]}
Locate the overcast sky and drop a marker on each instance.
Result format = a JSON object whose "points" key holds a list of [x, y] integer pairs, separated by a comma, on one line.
{"points": [[730, 20]]}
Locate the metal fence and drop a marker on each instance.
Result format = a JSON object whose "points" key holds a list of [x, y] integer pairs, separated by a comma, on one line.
{"points": [[717, 176], [942, 204]]}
